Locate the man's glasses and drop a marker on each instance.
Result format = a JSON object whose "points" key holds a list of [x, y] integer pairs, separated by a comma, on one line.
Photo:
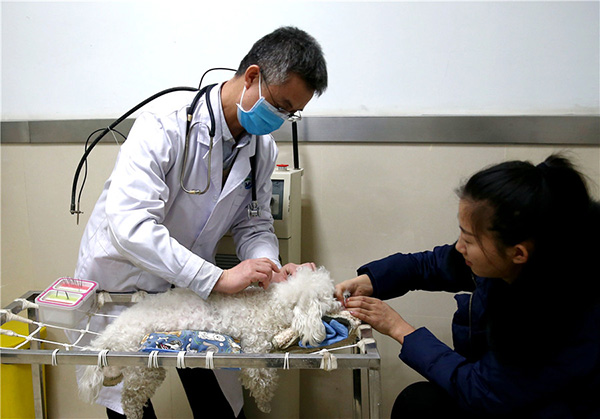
{"points": [[291, 116]]}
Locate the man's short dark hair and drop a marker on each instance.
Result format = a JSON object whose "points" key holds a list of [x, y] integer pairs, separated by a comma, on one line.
{"points": [[288, 50]]}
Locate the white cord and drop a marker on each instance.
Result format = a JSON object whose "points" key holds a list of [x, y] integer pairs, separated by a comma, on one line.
{"points": [[362, 344], [26, 303], [102, 360], [153, 359], [181, 359], [114, 316], [329, 361], [362, 327], [286, 361], [114, 136], [29, 338], [11, 316], [138, 296], [54, 359], [82, 332], [9, 333], [210, 364], [103, 298]]}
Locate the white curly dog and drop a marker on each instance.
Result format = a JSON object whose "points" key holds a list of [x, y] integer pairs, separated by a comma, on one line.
{"points": [[254, 316]]}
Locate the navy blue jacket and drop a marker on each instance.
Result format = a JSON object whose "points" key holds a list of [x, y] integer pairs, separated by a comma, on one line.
{"points": [[566, 386]]}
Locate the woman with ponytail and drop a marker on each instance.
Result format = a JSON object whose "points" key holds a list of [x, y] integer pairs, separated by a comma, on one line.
{"points": [[527, 330]]}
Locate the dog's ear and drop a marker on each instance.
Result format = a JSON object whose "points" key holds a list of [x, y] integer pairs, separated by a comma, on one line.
{"points": [[307, 322], [90, 383]]}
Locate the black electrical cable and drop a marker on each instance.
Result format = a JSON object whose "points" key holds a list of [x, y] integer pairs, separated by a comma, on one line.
{"points": [[212, 69], [295, 145], [75, 198], [111, 127], [85, 164]]}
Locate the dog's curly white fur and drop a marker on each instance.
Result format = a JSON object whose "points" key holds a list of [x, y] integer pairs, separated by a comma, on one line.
{"points": [[254, 316]]}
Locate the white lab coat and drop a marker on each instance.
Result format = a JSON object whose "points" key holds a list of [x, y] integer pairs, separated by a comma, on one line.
{"points": [[146, 233]]}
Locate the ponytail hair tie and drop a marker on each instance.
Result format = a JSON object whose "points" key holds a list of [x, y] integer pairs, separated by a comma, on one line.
{"points": [[543, 166]]}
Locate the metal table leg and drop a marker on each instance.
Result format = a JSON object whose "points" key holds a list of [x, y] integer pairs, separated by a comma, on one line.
{"points": [[37, 373], [374, 379], [357, 410]]}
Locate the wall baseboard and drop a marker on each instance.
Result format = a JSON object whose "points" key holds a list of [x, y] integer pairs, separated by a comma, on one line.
{"points": [[542, 130]]}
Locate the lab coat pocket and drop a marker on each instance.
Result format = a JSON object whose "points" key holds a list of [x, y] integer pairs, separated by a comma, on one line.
{"points": [[102, 242]]}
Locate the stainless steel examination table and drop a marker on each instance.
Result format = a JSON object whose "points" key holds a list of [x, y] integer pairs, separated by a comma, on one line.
{"points": [[365, 366]]}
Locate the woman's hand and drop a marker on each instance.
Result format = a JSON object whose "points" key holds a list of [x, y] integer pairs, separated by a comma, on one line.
{"points": [[380, 316], [361, 285]]}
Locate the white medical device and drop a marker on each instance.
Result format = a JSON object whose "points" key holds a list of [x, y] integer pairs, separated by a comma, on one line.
{"points": [[286, 208]]}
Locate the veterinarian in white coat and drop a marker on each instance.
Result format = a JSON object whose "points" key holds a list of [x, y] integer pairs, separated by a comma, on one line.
{"points": [[147, 233]]}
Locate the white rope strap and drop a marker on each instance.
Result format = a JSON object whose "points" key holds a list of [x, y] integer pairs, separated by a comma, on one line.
{"points": [[362, 327], [27, 339], [339, 348], [102, 360], [286, 361], [138, 296], [9, 333], [210, 363], [14, 334], [362, 344], [181, 359], [31, 337], [26, 303], [103, 298], [82, 332], [54, 359], [153, 359], [329, 361], [114, 316], [113, 134], [11, 316]]}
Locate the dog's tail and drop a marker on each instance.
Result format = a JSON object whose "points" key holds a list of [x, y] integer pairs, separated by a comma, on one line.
{"points": [[90, 383]]}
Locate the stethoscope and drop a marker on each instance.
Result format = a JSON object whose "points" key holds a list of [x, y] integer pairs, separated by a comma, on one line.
{"points": [[253, 208]]}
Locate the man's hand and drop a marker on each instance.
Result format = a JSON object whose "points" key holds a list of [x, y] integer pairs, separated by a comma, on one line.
{"points": [[246, 273], [290, 269]]}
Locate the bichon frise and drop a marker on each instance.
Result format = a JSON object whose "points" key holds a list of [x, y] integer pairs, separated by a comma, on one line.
{"points": [[254, 316]]}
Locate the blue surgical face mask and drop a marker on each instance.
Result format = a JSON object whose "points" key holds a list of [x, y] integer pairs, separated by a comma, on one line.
{"points": [[263, 118]]}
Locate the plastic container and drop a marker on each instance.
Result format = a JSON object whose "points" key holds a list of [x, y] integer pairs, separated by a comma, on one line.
{"points": [[67, 301]]}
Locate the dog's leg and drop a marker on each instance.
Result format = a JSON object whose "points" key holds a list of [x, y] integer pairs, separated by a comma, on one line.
{"points": [[139, 385], [261, 383]]}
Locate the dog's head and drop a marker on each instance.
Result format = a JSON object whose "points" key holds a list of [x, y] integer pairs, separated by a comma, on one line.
{"points": [[310, 295]]}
